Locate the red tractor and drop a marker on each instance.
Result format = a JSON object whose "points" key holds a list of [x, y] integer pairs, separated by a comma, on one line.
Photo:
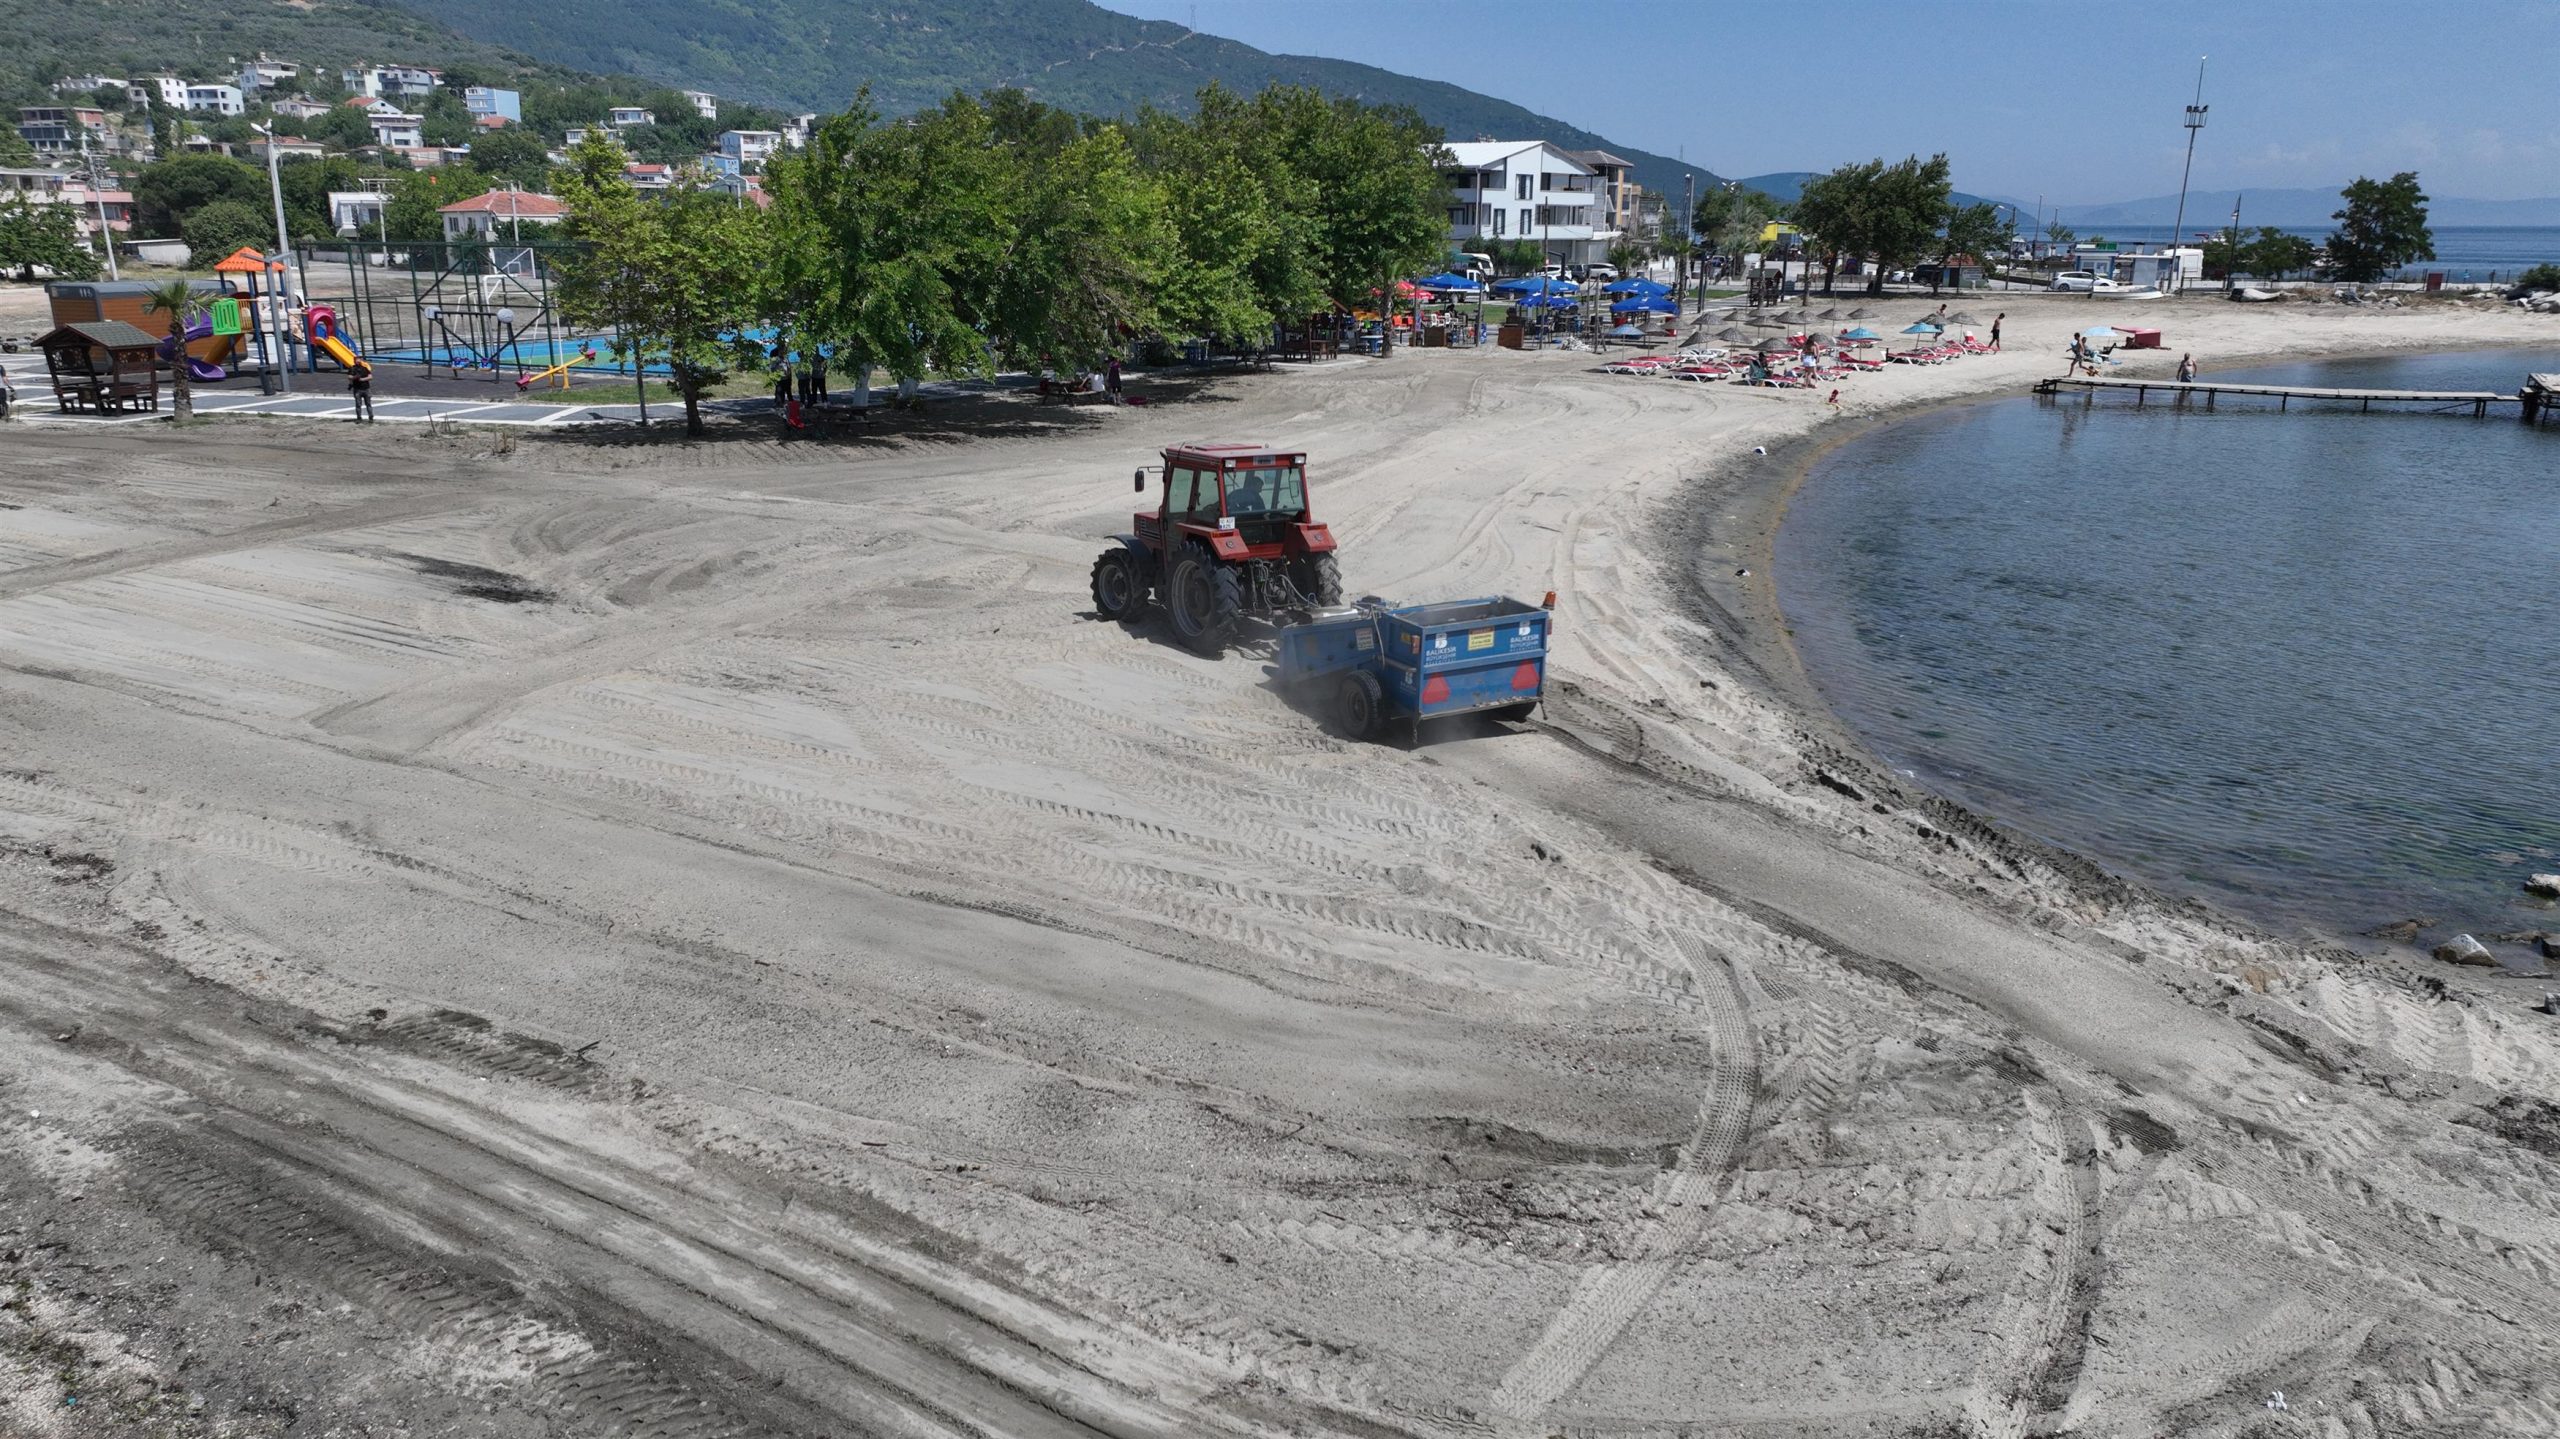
{"points": [[1230, 539]]}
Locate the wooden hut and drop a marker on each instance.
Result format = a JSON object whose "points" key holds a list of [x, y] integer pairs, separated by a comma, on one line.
{"points": [[102, 366]]}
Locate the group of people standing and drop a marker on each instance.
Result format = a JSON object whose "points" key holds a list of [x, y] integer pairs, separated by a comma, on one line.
{"points": [[797, 387]]}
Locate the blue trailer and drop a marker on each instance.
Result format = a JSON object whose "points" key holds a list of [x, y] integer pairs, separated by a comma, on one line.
{"points": [[1419, 662]]}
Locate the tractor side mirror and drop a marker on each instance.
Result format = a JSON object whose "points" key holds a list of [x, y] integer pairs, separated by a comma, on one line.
{"points": [[1138, 481]]}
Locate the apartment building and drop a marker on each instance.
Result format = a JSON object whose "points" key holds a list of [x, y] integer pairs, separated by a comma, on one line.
{"points": [[750, 147], [265, 74], [623, 117], [704, 103], [216, 100], [484, 101], [1527, 190], [391, 82], [66, 187], [166, 90], [57, 131]]}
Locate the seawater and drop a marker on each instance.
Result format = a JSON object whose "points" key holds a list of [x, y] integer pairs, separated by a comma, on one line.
{"points": [[2304, 665], [2472, 252]]}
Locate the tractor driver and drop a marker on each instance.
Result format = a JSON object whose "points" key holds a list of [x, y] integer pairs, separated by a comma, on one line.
{"points": [[1249, 500]]}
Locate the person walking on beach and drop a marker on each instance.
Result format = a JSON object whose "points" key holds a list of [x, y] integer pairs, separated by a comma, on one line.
{"points": [[360, 390], [2186, 369], [1995, 329], [1111, 377]]}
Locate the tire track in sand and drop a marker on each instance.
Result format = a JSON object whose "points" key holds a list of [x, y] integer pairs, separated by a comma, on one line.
{"points": [[1610, 1297]]}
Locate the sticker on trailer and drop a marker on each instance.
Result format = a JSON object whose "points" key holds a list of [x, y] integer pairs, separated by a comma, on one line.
{"points": [[1479, 639], [1524, 629], [1363, 640], [1439, 642]]}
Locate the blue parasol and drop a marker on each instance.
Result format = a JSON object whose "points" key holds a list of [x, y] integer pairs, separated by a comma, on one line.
{"points": [[1451, 281]]}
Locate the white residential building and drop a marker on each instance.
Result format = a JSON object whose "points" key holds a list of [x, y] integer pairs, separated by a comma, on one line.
{"points": [[750, 147], [704, 103], [89, 84], [216, 99], [166, 90], [359, 210], [395, 130], [298, 107], [265, 74], [39, 186], [397, 82], [1527, 190], [622, 117], [796, 133], [500, 214]]}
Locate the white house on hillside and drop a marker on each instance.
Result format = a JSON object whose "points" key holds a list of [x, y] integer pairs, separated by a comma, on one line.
{"points": [[297, 107], [166, 90], [750, 147], [624, 116], [395, 130], [391, 81], [704, 103], [1527, 190], [216, 99], [88, 84], [263, 73]]}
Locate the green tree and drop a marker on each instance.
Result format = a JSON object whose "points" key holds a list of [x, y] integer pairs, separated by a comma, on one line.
{"points": [[218, 227], [1728, 221], [1831, 213], [1977, 230], [411, 214], [2545, 276], [2274, 253], [165, 194], [1906, 206], [2382, 226], [2060, 237], [890, 237], [513, 155], [14, 149], [177, 300], [306, 183], [1086, 241], [679, 276], [1379, 207], [1515, 257], [46, 235], [343, 128]]}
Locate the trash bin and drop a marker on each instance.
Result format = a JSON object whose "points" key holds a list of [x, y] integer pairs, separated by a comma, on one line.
{"points": [[2435, 281]]}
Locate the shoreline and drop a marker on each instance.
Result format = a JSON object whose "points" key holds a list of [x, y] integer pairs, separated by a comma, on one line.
{"points": [[1760, 490]]}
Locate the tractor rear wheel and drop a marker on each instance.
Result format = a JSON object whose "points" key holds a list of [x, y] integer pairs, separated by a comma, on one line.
{"points": [[1205, 599], [1118, 593], [1319, 578], [1358, 705]]}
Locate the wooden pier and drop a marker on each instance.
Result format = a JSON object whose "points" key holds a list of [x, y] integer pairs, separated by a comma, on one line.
{"points": [[2476, 401]]}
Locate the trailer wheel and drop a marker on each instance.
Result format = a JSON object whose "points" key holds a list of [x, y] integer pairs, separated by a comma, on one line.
{"points": [[1117, 595], [1358, 704], [1205, 599]]}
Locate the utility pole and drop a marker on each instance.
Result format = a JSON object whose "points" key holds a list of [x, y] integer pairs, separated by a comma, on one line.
{"points": [[2195, 122], [2228, 271], [98, 193], [1688, 231]]}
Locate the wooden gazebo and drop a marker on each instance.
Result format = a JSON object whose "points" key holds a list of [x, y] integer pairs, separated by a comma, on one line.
{"points": [[103, 366]]}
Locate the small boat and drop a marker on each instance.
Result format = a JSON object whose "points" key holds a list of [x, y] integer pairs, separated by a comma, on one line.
{"points": [[2252, 295]]}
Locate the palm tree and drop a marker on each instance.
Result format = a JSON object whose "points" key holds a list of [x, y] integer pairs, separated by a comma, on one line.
{"points": [[177, 300]]}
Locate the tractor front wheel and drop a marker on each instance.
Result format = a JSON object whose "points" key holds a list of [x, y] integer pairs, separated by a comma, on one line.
{"points": [[1205, 599], [1118, 594], [1359, 704]]}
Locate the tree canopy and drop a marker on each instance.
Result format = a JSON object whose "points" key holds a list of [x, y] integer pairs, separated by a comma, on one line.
{"points": [[218, 227], [166, 193], [46, 235], [2381, 226], [678, 277]]}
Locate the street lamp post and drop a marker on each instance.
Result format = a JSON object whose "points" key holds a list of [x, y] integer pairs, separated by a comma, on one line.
{"points": [[2194, 122], [98, 193], [281, 267]]}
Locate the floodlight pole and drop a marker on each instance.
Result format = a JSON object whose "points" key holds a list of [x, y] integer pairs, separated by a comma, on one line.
{"points": [[98, 193], [280, 270], [2195, 122]]}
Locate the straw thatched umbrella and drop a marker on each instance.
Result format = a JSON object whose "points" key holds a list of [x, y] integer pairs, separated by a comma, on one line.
{"points": [[1767, 322], [1961, 318], [1774, 346], [1831, 314], [1731, 335], [1862, 313]]}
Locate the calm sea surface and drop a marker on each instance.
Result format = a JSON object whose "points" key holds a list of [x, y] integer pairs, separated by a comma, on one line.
{"points": [[2304, 665], [2474, 252]]}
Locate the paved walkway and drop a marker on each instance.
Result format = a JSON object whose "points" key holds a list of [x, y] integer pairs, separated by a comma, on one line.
{"points": [[393, 409]]}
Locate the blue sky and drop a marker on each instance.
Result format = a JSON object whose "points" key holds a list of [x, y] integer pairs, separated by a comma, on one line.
{"points": [[2079, 103]]}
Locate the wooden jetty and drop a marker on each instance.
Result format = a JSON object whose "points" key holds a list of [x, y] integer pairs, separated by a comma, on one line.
{"points": [[2476, 401]]}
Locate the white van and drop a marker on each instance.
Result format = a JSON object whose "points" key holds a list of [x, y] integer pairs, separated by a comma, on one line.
{"points": [[1479, 267]]}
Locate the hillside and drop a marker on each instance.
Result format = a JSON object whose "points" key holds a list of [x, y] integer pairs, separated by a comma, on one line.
{"points": [[1785, 186], [815, 54], [192, 37]]}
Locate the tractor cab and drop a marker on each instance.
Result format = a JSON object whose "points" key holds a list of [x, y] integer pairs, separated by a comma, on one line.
{"points": [[1247, 501], [1232, 537]]}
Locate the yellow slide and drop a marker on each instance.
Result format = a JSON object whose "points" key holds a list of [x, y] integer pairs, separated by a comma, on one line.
{"points": [[336, 349]]}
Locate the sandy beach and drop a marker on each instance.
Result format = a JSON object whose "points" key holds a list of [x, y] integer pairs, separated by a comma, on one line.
{"points": [[566, 934]]}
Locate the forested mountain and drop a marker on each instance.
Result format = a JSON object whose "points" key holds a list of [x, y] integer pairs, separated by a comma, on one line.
{"points": [[793, 54], [815, 54]]}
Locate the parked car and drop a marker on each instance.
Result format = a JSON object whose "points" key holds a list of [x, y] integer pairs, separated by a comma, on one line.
{"points": [[1553, 272], [1600, 272], [2086, 283]]}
